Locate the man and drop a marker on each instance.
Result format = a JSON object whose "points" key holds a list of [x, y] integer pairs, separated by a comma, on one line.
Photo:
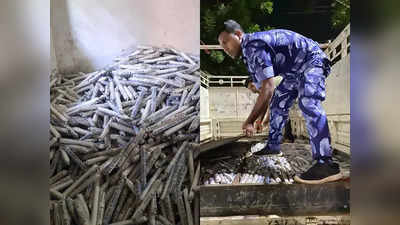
{"points": [[303, 67], [261, 122]]}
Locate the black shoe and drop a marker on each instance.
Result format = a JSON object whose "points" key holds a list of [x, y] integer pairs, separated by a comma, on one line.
{"points": [[320, 173], [268, 152]]}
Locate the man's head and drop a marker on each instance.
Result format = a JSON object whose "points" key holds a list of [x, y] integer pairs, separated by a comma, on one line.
{"points": [[230, 38], [250, 85]]}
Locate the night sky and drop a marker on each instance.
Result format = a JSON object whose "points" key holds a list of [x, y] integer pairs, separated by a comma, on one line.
{"points": [[308, 17], [311, 18]]}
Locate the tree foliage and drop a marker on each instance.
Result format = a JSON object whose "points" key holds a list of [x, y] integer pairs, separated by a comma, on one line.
{"points": [[340, 14], [252, 16], [267, 7]]}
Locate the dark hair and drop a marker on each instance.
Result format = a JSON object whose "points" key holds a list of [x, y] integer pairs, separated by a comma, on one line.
{"points": [[231, 26], [246, 83]]}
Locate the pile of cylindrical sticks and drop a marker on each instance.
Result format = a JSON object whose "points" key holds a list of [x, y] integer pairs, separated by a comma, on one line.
{"points": [[124, 141]]}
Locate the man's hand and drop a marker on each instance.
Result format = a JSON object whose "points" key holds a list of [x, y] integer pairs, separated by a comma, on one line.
{"points": [[259, 126], [248, 129]]}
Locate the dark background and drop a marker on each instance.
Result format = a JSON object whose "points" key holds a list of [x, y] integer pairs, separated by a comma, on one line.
{"points": [[312, 18]]}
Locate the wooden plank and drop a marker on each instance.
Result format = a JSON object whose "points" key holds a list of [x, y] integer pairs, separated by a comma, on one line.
{"points": [[282, 200], [275, 220], [215, 144], [206, 132]]}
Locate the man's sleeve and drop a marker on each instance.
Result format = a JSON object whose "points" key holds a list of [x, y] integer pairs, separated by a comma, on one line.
{"points": [[263, 68]]}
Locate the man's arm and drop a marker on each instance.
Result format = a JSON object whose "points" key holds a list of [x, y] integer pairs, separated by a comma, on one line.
{"points": [[261, 120], [260, 108], [266, 120], [263, 116], [262, 69]]}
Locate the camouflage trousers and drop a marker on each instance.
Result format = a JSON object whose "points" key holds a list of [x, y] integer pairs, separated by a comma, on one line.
{"points": [[309, 88]]}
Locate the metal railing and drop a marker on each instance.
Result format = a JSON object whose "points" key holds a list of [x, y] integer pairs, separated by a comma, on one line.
{"points": [[232, 81], [221, 80], [340, 47], [204, 79]]}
